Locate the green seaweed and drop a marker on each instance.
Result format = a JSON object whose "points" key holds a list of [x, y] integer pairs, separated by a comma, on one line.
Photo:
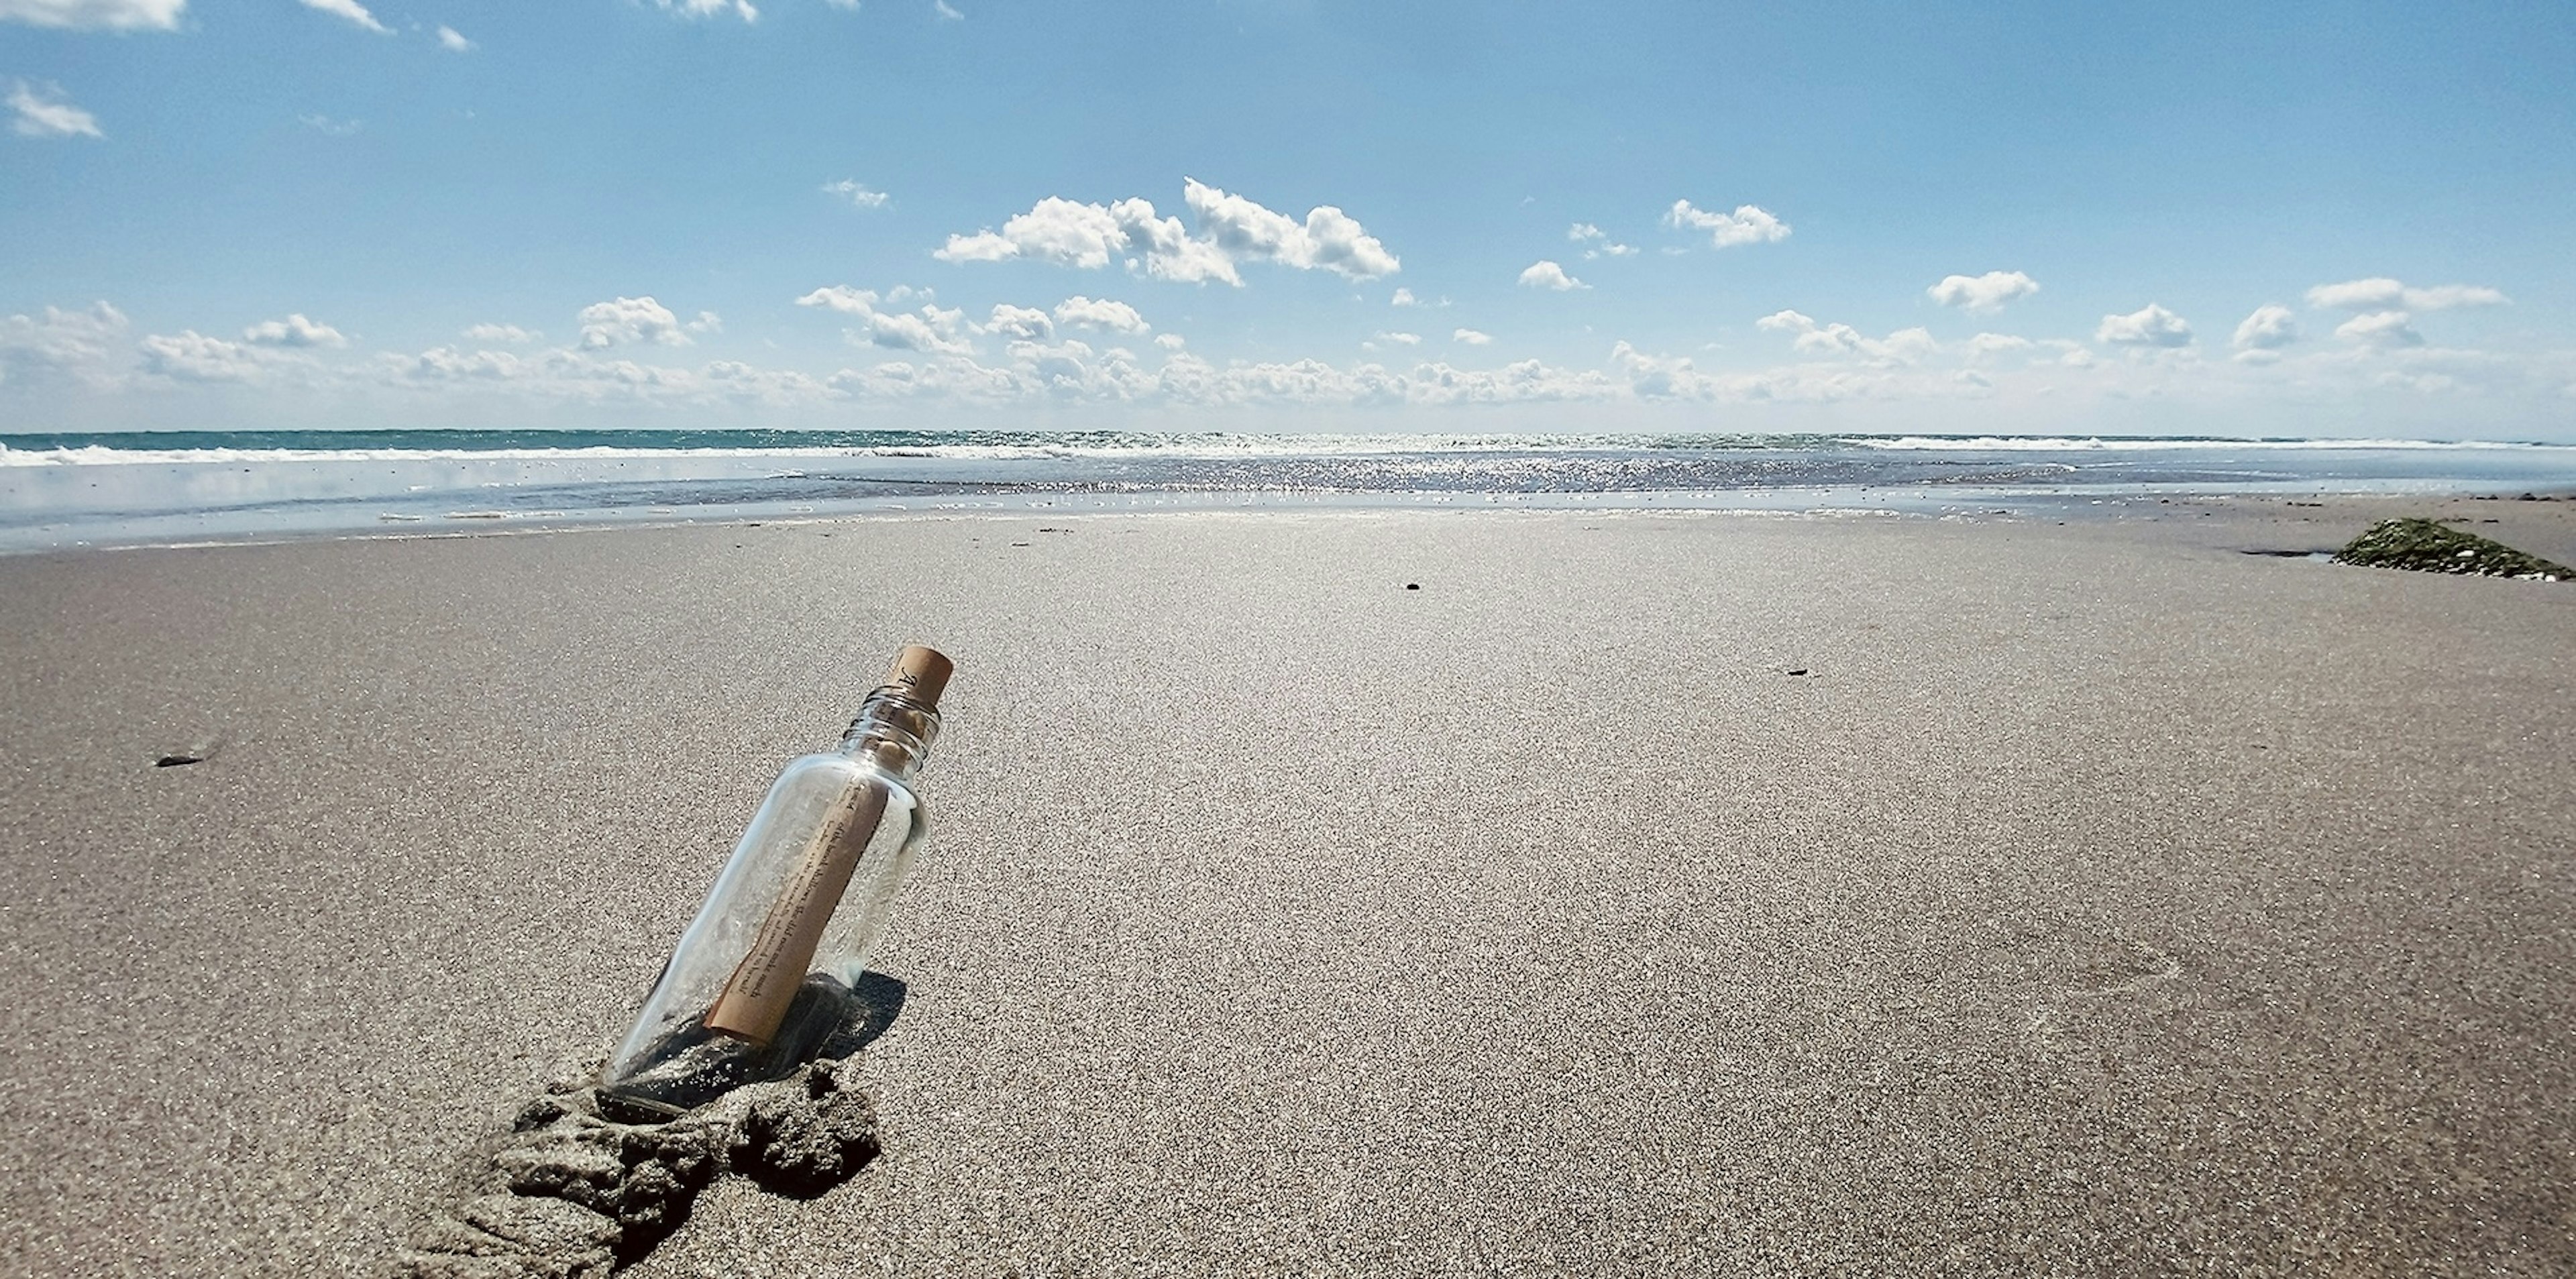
{"points": [[2429, 547]]}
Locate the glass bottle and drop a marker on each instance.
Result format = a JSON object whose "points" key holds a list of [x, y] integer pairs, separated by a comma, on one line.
{"points": [[763, 977]]}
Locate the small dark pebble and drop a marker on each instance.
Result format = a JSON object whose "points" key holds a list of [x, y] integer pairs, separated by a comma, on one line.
{"points": [[1413, 586], [1800, 671], [1019, 543], [178, 761]]}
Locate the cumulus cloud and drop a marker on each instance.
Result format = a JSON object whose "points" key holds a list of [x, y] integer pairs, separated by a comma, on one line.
{"points": [[705, 8], [191, 356], [2271, 327], [351, 10], [1583, 231], [2151, 327], [1115, 317], [858, 196], [2380, 293], [1749, 224], [2380, 328], [1404, 297], [1548, 275], [1399, 339], [507, 334], [1986, 292], [1232, 230], [1020, 323], [927, 329], [1985, 345], [1328, 239], [1905, 346], [95, 15], [47, 115], [1471, 337], [450, 40], [293, 331], [61, 342], [1170, 341], [625, 321]]}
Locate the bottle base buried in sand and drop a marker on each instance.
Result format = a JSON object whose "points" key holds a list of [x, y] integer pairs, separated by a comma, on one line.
{"points": [[763, 979], [693, 1065]]}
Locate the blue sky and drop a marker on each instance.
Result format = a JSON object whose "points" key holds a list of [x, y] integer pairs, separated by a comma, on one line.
{"points": [[2344, 219]]}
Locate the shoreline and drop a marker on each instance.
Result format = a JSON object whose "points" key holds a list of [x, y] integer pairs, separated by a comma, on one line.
{"points": [[2092, 503]]}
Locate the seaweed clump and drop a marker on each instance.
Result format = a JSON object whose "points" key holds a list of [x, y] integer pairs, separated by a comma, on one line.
{"points": [[2427, 546]]}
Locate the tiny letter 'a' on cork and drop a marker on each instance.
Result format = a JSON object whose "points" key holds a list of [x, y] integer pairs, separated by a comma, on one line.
{"points": [[922, 673]]}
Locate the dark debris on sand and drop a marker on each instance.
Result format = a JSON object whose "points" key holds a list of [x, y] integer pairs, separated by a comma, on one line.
{"points": [[570, 1194], [2429, 547]]}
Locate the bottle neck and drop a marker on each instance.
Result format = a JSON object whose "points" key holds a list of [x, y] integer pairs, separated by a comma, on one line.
{"points": [[893, 732]]}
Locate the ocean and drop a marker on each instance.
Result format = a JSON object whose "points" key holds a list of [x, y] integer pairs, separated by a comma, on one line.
{"points": [[63, 490]]}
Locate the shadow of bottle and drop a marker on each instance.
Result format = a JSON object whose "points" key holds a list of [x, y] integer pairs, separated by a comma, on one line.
{"points": [[693, 1066]]}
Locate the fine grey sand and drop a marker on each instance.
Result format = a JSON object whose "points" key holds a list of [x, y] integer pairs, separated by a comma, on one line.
{"points": [[2100, 900]]}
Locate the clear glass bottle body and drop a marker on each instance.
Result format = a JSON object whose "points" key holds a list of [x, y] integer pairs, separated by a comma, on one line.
{"points": [[715, 1020]]}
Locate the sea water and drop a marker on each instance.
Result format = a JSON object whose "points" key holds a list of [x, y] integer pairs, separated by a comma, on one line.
{"points": [[71, 489]]}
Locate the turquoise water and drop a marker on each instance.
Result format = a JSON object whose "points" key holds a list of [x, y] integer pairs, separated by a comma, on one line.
{"points": [[67, 489]]}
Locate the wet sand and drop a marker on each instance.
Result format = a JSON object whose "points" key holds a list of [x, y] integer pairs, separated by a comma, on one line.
{"points": [[2100, 899]]}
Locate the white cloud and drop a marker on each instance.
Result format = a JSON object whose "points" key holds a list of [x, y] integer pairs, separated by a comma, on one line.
{"points": [[95, 15], [2270, 328], [1610, 251], [708, 8], [1988, 344], [47, 115], [1401, 339], [2154, 326], [1582, 231], [351, 10], [1548, 275], [509, 334], [1021, 323], [1471, 337], [193, 357], [928, 329], [1986, 292], [858, 196], [707, 322], [63, 342], [946, 11], [1905, 346], [629, 320], [1116, 317], [1747, 225], [2380, 328], [1091, 236], [294, 331], [1170, 341], [2380, 293], [1404, 297], [1329, 239], [450, 40]]}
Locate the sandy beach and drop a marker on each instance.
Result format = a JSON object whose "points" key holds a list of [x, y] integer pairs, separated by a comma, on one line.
{"points": [[1643, 894]]}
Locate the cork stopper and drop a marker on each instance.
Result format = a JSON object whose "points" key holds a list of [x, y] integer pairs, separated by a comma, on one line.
{"points": [[921, 673]]}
